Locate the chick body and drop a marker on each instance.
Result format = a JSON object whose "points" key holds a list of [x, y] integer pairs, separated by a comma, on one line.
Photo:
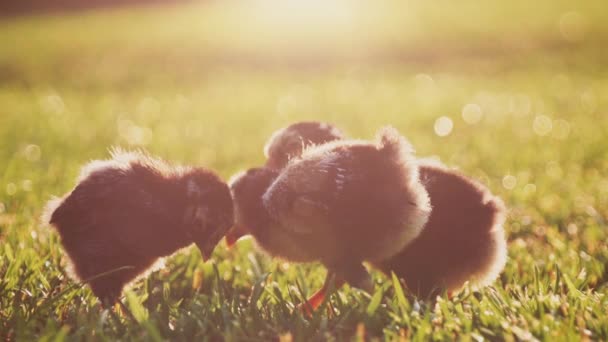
{"points": [[127, 212]]}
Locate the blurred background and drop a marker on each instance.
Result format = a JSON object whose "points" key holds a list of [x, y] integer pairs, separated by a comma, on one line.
{"points": [[191, 79], [503, 90]]}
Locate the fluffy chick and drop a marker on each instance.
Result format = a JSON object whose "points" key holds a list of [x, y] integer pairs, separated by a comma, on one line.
{"points": [[290, 141], [339, 203], [127, 212], [463, 240]]}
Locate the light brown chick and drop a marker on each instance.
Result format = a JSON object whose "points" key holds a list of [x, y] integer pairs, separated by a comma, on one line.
{"points": [[340, 203]]}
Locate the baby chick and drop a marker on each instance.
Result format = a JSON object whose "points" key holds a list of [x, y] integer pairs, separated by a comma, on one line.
{"points": [[463, 240], [339, 203], [127, 212], [290, 141]]}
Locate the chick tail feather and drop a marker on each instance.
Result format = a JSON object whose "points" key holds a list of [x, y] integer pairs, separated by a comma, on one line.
{"points": [[398, 150], [390, 141], [496, 211]]}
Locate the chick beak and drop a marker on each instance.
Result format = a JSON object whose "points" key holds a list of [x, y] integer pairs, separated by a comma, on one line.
{"points": [[234, 234], [206, 249]]}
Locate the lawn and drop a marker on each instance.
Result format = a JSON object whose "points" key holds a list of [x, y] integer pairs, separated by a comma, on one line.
{"points": [[514, 94]]}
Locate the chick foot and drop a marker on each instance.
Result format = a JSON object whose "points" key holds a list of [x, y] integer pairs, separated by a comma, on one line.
{"points": [[332, 281]]}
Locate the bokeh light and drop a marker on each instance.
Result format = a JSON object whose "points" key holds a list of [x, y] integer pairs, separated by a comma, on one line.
{"points": [[529, 189], [26, 185], [561, 129], [542, 125], [32, 152], [509, 182], [443, 126], [11, 189], [472, 113]]}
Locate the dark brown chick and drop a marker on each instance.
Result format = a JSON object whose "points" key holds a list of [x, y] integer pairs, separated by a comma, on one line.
{"points": [[127, 212], [290, 141], [339, 203], [463, 240]]}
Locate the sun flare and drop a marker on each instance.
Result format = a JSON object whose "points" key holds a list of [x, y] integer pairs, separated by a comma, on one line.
{"points": [[307, 16]]}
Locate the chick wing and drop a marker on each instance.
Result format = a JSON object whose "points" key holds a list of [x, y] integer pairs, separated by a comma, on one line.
{"points": [[302, 197]]}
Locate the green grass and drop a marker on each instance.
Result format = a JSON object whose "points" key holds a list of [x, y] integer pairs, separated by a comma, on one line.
{"points": [[207, 84]]}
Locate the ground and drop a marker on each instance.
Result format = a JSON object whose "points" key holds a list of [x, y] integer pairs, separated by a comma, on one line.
{"points": [[514, 94]]}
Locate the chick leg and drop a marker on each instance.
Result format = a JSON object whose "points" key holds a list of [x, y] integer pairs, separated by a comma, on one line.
{"points": [[357, 276], [126, 311], [331, 281], [354, 274]]}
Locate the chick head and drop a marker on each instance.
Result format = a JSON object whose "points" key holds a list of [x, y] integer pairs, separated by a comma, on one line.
{"points": [[247, 189], [290, 141], [209, 213]]}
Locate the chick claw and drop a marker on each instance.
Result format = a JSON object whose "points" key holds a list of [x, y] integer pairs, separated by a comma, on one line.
{"points": [[312, 304]]}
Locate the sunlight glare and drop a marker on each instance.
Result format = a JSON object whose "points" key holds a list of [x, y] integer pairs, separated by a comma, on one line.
{"points": [[302, 16]]}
